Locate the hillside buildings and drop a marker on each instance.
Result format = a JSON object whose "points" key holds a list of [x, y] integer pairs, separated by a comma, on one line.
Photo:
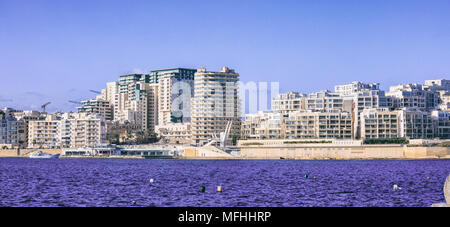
{"points": [[192, 106], [356, 111]]}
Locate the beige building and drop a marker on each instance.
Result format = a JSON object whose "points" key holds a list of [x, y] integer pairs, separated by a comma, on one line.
{"points": [[44, 133], [298, 125], [175, 133], [319, 125], [87, 130], [67, 130], [97, 106], [263, 125], [409, 123], [380, 123], [288, 102], [215, 103]]}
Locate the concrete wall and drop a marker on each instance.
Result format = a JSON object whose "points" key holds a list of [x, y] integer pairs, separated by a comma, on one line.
{"points": [[25, 152], [344, 152]]}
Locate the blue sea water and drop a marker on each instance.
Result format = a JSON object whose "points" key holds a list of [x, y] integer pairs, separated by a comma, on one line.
{"points": [[260, 183]]}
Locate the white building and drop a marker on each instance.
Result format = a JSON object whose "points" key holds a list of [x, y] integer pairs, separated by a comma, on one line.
{"points": [[215, 103]]}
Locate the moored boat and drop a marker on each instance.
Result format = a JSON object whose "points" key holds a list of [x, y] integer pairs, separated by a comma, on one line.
{"points": [[40, 154]]}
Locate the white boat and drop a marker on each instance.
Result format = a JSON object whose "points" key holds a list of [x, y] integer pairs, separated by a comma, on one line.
{"points": [[40, 154]]}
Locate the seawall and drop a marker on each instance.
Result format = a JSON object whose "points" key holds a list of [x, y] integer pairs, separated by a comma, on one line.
{"points": [[324, 152], [26, 152]]}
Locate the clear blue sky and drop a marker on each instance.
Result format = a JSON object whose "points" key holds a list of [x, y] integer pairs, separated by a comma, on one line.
{"points": [[58, 50]]}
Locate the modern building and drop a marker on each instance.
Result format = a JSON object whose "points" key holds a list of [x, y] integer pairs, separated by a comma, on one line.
{"points": [[441, 120], [263, 125], [86, 130], [67, 130], [97, 107], [319, 125], [176, 87], [11, 129], [413, 95], [175, 133], [409, 123], [354, 87], [215, 103], [289, 102]]}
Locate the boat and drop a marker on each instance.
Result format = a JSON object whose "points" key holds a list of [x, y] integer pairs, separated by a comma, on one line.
{"points": [[40, 154]]}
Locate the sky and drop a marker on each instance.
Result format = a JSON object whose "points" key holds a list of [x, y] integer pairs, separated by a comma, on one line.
{"points": [[59, 50]]}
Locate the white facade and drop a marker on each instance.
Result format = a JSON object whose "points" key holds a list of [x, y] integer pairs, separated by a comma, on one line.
{"points": [[215, 103]]}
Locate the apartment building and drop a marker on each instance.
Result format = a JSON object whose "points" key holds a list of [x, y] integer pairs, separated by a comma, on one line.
{"points": [[441, 120], [263, 125], [413, 95], [11, 129], [67, 130], [380, 123], [86, 130], [215, 103], [354, 87], [289, 102], [410, 123], [176, 87], [319, 125], [44, 133], [298, 125], [175, 133], [97, 107]]}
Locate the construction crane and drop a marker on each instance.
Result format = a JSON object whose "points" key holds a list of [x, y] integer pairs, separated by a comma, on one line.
{"points": [[75, 102], [44, 105], [94, 91]]}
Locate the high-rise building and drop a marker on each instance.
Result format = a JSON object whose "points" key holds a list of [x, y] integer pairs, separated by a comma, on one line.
{"points": [[176, 87], [215, 103]]}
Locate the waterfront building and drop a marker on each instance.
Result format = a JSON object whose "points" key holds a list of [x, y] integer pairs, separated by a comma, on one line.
{"points": [[380, 123], [175, 133], [413, 95], [366, 99], [319, 125], [86, 130], [67, 130], [27, 116], [44, 133], [11, 129], [441, 120], [176, 87], [416, 124], [215, 103], [263, 125], [409, 123], [298, 125]]}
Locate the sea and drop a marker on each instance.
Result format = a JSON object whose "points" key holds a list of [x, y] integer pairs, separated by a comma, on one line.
{"points": [[28, 182]]}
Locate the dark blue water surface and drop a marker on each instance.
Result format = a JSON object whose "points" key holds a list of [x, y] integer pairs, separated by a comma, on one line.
{"points": [[119, 182]]}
